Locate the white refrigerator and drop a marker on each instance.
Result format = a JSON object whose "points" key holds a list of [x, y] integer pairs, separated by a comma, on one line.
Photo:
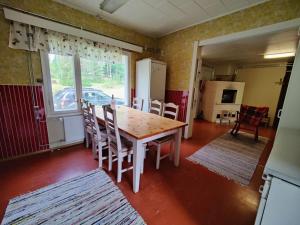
{"points": [[150, 81]]}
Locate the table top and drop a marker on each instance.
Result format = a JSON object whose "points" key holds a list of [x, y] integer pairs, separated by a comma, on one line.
{"points": [[140, 124]]}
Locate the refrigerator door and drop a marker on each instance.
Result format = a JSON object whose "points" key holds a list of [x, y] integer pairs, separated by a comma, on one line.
{"points": [[283, 204], [158, 81]]}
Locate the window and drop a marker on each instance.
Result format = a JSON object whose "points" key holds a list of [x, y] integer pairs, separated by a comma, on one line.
{"points": [[63, 83], [69, 78], [101, 80]]}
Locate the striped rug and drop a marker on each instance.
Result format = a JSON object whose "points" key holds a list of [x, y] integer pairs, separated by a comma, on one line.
{"points": [[233, 157], [88, 199]]}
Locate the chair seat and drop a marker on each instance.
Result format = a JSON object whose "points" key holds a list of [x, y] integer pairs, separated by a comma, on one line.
{"points": [[163, 139], [126, 146], [246, 126], [103, 138], [102, 128]]}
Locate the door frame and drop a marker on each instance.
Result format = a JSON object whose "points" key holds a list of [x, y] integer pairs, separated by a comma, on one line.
{"points": [[294, 23], [188, 130]]}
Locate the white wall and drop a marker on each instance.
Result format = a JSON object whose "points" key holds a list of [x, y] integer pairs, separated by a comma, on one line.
{"points": [[224, 69]]}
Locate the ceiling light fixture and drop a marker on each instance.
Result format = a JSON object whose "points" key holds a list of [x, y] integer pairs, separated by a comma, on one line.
{"points": [[279, 55], [111, 6]]}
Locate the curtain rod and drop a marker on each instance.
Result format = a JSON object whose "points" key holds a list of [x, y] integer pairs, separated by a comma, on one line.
{"points": [[63, 23]]}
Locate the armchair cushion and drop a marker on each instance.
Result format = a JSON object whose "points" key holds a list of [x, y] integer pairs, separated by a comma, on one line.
{"points": [[252, 115]]}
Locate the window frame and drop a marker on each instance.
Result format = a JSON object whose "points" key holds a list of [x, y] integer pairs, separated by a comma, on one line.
{"points": [[48, 95]]}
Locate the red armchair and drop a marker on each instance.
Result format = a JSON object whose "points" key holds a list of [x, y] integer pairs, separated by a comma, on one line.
{"points": [[249, 118]]}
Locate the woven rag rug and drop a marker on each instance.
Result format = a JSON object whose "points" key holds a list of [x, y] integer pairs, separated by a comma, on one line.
{"points": [[234, 157], [91, 198]]}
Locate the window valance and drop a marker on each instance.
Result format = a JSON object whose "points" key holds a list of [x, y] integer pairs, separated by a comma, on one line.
{"points": [[32, 38]]}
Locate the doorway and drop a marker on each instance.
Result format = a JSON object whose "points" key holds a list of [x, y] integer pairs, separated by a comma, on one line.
{"points": [[284, 83], [243, 51]]}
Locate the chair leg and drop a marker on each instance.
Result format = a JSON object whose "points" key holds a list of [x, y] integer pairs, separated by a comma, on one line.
{"points": [[129, 158], [256, 134], [158, 157], [171, 150], [142, 163], [237, 129], [233, 129], [100, 158], [145, 151], [87, 140], [94, 149], [109, 160], [119, 177]]}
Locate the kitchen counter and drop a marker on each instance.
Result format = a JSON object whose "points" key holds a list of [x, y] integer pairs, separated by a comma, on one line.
{"points": [[284, 161]]}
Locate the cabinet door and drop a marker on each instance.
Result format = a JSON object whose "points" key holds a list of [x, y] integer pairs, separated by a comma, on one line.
{"points": [[143, 82], [283, 204], [158, 81]]}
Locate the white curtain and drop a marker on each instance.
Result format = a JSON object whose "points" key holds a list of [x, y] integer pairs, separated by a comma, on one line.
{"points": [[24, 36], [31, 38]]}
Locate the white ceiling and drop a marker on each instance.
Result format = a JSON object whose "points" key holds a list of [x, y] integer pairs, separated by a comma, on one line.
{"points": [[252, 49], [159, 17]]}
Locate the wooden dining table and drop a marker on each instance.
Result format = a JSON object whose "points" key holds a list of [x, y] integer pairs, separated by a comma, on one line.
{"points": [[141, 127]]}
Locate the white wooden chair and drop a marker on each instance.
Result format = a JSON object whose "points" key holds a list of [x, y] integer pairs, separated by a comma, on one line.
{"points": [[99, 139], [85, 109], [119, 147], [156, 107], [170, 110], [137, 103]]}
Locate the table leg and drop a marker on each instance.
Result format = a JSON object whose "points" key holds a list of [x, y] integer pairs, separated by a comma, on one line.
{"points": [[137, 158], [177, 146]]}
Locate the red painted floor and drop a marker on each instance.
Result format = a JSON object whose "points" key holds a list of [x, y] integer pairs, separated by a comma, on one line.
{"points": [[189, 194]]}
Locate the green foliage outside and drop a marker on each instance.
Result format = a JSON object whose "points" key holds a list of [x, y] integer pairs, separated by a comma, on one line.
{"points": [[94, 74]]}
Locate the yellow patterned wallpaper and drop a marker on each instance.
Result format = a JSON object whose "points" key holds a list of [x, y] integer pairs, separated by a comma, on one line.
{"points": [[178, 47], [13, 63]]}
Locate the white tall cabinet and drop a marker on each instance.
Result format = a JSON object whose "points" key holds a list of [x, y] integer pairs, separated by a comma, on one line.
{"points": [[150, 81]]}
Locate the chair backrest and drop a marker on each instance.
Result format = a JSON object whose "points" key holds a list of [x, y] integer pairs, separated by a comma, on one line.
{"points": [[156, 107], [137, 103], [114, 139], [83, 102], [85, 109], [170, 110], [252, 115], [94, 122]]}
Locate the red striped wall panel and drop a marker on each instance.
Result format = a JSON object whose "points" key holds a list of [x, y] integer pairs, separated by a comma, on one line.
{"points": [[20, 132], [179, 98]]}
